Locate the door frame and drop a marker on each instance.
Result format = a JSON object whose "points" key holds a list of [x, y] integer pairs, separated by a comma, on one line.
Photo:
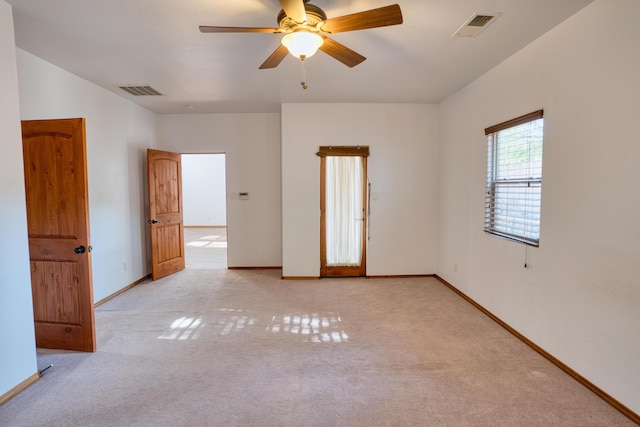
{"points": [[345, 151], [179, 263]]}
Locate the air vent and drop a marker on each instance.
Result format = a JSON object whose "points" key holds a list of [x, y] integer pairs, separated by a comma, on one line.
{"points": [[476, 24], [141, 90]]}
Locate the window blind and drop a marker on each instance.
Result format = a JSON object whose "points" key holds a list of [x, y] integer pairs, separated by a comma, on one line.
{"points": [[514, 178]]}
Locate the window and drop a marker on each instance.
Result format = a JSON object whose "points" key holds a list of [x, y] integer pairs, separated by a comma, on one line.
{"points": [[514, 178]]}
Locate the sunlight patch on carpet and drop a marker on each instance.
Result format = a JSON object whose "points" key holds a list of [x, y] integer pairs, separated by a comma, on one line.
{"points": [[314, 327], [234, 322], [206, 244], [183, 328]]}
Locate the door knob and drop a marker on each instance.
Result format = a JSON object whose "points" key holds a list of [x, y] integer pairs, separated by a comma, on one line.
{"points": [[79, 250], [152, 221]]}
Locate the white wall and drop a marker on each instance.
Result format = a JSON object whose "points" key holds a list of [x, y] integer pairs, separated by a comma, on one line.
{"points": [[118, 134], [18, 348], [402, 169], [580, 297], [204, 193], [251, 143]]}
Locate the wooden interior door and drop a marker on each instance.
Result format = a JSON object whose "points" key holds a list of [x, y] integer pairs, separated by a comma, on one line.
{"points": [[165, 213], [326, 269], [55, 172]]}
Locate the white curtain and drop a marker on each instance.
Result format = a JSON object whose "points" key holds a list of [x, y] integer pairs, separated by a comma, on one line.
{"points": [[343, 210]]}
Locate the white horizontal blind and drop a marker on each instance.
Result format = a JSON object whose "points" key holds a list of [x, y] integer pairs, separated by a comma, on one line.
{"points": [[514, 179]]}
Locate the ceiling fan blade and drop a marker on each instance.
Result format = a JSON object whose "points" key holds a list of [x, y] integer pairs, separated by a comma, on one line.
{"points": [[276, 58], [340, 52], [294, 10], [381, 17], [210, 29]]}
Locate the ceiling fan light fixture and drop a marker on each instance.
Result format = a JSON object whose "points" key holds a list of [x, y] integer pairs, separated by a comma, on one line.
{"points": [[302, 44]]}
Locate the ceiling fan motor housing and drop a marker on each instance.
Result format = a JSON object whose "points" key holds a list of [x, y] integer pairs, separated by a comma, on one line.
{"points": [[315, 15]]}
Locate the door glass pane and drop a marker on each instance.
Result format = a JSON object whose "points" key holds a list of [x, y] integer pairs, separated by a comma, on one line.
{"points": [[344, 210]]}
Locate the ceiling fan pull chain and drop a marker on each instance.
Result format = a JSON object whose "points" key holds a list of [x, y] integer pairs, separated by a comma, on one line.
{"points": [[304, 73]]}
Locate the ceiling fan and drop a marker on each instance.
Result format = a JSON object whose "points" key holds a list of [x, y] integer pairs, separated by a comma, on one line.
{"points": [[306, 28]]}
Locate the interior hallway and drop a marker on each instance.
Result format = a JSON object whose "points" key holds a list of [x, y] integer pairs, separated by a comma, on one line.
{"points": [[205, 248]]}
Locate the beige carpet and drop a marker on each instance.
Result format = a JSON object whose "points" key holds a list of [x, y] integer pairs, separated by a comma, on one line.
{"points": [[244, 348]]}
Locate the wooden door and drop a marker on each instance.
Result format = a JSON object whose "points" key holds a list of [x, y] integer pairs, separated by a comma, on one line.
{"points": [[55, 172], [359, 219], [165, 213]]}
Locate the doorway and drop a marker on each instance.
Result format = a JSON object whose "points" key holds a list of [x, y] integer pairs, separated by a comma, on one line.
{"points": [[343, 212], [205, 210]]}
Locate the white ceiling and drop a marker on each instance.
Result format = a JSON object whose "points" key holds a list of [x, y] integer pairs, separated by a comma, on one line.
{"points": [[157, 43]]}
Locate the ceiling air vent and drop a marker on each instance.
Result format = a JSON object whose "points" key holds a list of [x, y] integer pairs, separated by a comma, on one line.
{"points": [[141, 90], [476, 24]]}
